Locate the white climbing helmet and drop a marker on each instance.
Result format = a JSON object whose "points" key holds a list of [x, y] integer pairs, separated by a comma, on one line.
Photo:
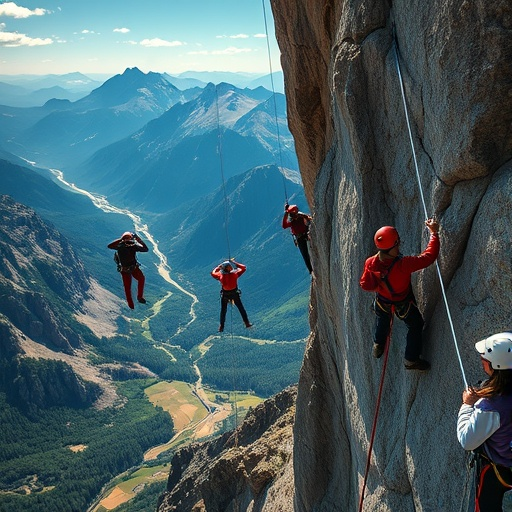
{"points": [[226, 267], [497, 349]]}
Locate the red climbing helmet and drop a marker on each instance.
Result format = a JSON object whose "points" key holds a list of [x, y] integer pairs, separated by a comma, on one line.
{"points": [[293, 209], [127, 236], [386, 238]]}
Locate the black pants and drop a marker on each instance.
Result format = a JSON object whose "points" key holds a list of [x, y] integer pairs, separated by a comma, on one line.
{"points": [[410, 314], [225, 298], [489, 490], [302, 244]]}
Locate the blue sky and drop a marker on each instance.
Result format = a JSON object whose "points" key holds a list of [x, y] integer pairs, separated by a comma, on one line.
{"points": [[107, 36]]}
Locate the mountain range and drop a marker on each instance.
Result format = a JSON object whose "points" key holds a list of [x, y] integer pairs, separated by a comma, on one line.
{"points": [[187, 151], [35, 90], [71, 131], [205, 176]]}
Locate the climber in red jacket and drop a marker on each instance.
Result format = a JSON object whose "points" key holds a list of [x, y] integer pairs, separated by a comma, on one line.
{"points": [[388, 274], [127, 248], [228, 273], [299, 223]]}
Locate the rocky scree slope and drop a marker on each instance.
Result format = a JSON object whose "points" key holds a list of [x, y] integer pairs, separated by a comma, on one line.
{"points": [[249, 468]]}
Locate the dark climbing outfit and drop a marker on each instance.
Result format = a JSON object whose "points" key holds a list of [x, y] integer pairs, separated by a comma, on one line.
{"points": [[230, 292], [300, 231], [129, 267], [492, 481], [405, 310], [378, 276], [493, 459], [227, 296]]}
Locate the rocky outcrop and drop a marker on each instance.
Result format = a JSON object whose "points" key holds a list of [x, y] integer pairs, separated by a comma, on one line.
{"points": [[249, 468], [38, 270], [42, 287], [346, 114]]}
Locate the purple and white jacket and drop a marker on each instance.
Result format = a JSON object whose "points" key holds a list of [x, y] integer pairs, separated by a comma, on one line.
{"points": [[488, 423]]}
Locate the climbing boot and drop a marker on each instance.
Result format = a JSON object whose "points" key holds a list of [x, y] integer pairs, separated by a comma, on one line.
{"points": [[248, 324], [142, 300], [420, 365], [221, 328], [378, 350]]}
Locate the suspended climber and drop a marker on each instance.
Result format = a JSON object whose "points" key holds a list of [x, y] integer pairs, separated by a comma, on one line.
{"points": [[388, 274], [126, 249], [484, 423], [228, 273], [299, 223]]}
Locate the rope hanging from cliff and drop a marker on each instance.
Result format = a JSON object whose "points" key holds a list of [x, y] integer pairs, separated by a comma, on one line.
{"points": [[226, 226], [274, 101], [226, 202], [377, 410], [404, 101]]}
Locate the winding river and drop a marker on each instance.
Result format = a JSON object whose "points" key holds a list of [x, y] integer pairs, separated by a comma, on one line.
{"points": [[164, 269]]}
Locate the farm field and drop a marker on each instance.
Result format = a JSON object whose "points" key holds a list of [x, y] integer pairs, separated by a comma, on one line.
{"points": [[194, 419]]}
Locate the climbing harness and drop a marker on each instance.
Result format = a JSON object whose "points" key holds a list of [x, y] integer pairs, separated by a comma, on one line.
{"points": [[125, 269], [377, 408], [485, 464], [401, 309], [385, 276], [395, 46]]}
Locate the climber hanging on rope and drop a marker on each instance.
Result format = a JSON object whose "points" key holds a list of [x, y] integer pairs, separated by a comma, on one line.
{"points": [[388, 273], [126, 249], [299, 223], [228, 273], [484, 423]]}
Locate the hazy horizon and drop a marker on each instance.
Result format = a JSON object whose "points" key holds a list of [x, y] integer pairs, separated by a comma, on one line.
{"points": [[47, 37]]}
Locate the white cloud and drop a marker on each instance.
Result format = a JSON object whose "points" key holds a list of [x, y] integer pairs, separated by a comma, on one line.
{"points": [[128, 42], [16, 11], [122, 30], [157, 42], [86, 31], [261, 36], [13, 39], [232, 50], [235, 36]]}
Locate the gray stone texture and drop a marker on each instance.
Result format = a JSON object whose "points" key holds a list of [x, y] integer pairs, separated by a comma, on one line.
{"points": [[347, 117]]}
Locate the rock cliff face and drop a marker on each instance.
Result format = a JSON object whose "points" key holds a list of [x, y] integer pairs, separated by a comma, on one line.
{"points": [[38, 265], [249, 468], [43, 285], [346, 114]]}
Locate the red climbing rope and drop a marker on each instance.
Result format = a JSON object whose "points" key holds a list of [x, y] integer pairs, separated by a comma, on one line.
{"points": [[377, 408]]}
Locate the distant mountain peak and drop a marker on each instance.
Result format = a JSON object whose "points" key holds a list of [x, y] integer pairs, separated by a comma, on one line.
{"points": [[132, 71]]}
